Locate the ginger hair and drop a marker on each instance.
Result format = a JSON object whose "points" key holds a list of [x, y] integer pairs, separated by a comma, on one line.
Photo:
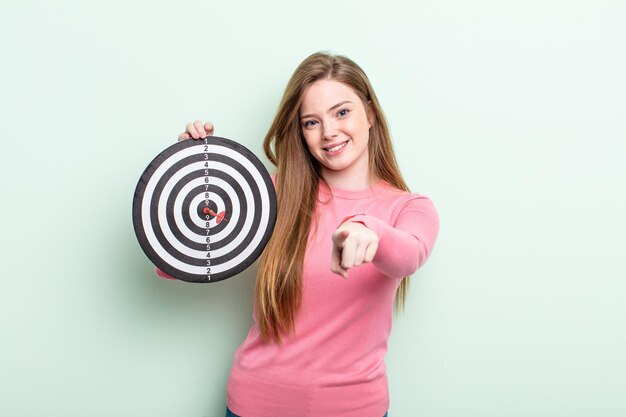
{"points": [[278, 292]]}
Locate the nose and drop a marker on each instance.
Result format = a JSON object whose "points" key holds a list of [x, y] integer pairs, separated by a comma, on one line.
{"points": [[330, 130]]}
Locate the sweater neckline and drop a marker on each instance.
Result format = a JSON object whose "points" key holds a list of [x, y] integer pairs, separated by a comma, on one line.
{"points": [[350, 194]]}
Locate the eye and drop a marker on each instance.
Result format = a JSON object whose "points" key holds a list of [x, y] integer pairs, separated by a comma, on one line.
{"points": [[309, 123], [343, 112]]}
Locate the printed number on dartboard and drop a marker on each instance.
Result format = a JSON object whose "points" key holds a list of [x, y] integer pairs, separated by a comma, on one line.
{"points": [[206, 202]]}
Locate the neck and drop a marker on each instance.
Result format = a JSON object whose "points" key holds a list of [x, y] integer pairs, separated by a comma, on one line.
{"points": [[349, 181]]}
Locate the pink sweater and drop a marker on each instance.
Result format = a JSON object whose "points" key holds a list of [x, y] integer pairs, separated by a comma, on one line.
{"points": [[334, 364]]}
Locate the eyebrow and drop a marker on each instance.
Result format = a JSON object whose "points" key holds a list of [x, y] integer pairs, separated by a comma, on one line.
{"points": [[331, 109]]}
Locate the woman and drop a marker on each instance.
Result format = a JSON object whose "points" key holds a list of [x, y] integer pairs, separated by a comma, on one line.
{"points": [[347, 235]]}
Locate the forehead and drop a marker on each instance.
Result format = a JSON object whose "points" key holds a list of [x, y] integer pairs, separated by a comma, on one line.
{"points": [[323, 94]]}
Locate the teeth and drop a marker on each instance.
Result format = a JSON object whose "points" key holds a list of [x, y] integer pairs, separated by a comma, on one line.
{"points": [[336, 148]]}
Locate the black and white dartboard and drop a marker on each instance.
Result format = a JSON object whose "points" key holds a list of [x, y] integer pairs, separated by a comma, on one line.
{"points": [[204, 209]]}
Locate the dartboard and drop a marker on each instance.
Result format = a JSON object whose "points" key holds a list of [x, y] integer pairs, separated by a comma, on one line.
{"points": [[204, 209]]}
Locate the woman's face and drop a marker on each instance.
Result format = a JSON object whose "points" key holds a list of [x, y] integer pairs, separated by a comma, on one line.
{"points": [[336, 125]]}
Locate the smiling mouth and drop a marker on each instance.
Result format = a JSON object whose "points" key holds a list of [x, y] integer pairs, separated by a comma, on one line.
{"points": [[336, 147]]}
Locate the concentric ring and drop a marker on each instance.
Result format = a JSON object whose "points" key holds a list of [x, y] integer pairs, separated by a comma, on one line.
{"points": [[204, 210]]}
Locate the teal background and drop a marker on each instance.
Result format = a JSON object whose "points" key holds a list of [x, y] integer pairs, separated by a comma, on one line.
{"points": [[509, 115]]}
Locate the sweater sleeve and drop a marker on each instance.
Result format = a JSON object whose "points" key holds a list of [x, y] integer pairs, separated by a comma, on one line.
{"points": [[406, 245]]}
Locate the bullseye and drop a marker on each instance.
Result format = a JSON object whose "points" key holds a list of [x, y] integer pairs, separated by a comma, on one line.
{"points": [[204, 209], [218, 216]]}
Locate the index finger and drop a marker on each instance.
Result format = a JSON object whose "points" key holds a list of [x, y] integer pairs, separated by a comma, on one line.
{"points": [[339, 238], [209, 128]]}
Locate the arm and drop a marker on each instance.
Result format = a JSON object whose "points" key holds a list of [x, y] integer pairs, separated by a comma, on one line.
{"points": [[401, 248]]}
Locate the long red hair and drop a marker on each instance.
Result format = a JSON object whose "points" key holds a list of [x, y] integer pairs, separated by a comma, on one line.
{"points": [[278, 291]]}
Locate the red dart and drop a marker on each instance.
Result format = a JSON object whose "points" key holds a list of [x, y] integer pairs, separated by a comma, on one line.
{"points": [[218, 216]]}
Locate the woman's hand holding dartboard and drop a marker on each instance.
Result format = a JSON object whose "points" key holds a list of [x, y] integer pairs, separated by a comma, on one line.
{"points": [[197, 130]]}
